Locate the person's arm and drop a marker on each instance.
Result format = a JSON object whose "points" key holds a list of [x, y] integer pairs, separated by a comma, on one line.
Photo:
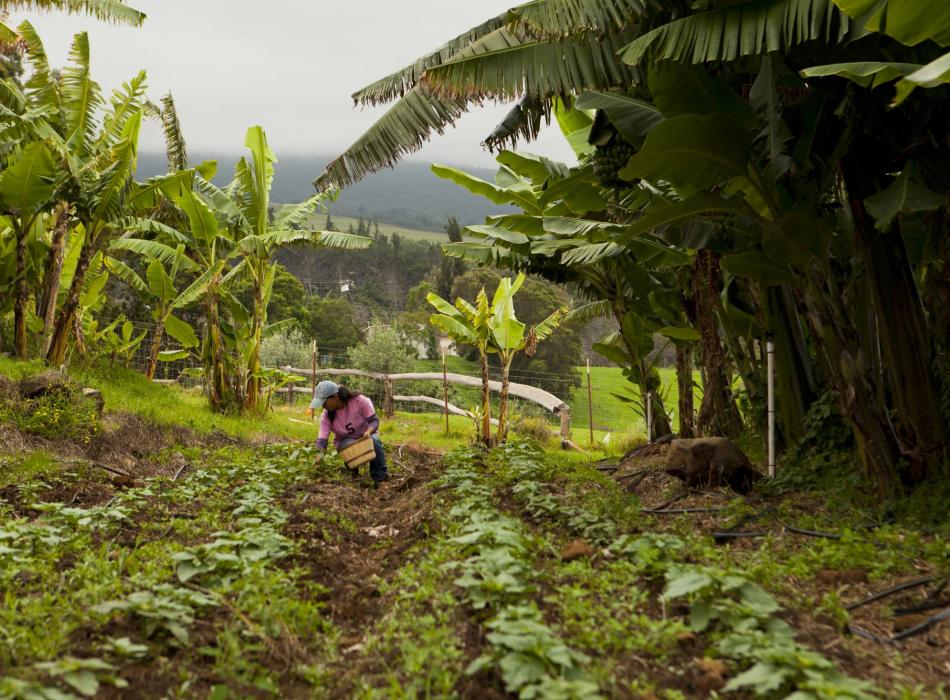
{"points": [[323, 438], [372, 420]]}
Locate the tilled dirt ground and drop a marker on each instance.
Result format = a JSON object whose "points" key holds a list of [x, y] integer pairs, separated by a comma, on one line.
{"points": [[861, 648]]}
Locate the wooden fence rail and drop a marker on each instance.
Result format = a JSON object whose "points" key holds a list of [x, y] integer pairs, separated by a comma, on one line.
{"points": [[522, 391]]}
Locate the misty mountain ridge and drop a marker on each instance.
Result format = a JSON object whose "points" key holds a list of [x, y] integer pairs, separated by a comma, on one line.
{"points": [[409, 195]]}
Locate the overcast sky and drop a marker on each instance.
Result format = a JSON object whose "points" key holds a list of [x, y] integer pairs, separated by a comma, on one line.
{"points": [[289, 65]]}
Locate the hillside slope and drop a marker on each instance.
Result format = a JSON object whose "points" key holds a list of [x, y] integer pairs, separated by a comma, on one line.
{"points": [[409, 195]]}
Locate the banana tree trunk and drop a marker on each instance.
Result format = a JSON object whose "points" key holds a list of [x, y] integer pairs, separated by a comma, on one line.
{"points": [[718, 413], [252, 396], [22, 294], [684, 382], [847, 366], [906, 349], [154, 350], [503, 404], [486, 400], [64, 321], [54, 271], [218, 393]]}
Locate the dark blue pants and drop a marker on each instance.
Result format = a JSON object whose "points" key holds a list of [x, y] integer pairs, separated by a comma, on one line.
{"points": [[377, 468]]}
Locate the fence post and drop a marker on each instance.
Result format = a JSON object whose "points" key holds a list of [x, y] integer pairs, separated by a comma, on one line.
{"points": [[590, 405], [445, 392], [313, 390], [388, 406], [565, 413]]}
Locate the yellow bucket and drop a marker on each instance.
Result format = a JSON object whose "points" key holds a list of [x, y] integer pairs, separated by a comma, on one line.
{"points": [[360, 452]]}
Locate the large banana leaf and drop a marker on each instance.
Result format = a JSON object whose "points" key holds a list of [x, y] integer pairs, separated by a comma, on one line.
{"points": [[934, 74], [864, 73], [633, 118], [181, 331], [107, 10], [150, 249], [262, 162], [741, 28], [402, 130], [27, 183], [81, 97], [692, 152], [557, 18], [519, 194], [160, 284], [406, 79], [125, 273], [504, 66], [701, 204], [196, 289], [908, 21]]}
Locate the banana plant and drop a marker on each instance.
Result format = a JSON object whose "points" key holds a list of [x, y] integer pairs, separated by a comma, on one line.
{"points": [[159, 287], [471, 325], [256, 238], [27, 188], [509, 336]]}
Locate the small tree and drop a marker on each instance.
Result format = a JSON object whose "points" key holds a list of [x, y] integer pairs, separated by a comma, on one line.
{"points": [[493, 328], [508, 337], [469, 324]]}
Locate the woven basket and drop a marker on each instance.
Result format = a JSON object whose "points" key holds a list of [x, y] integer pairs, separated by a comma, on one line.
{"points": [[359, 453]]}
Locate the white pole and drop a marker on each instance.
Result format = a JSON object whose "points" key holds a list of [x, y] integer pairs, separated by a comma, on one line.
{"points": [[650, 417], [770, 348]]}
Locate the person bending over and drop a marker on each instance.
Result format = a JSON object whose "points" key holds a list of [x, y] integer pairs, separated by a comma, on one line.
{"points": [[350, 416]]}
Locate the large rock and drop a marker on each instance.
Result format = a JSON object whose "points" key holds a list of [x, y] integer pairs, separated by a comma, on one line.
{"points": [[42, 384], [9, 391], [711, 461]]}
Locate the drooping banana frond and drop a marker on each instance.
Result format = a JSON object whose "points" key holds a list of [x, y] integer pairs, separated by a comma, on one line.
{"points": [[749, 28], [402, 130], [503, 66], [291, 215], [175, 147], [589, 312], [81, 96], [404, 80], [548, 19], [106, 10], [126, 101], [41, 87], [523, 122]]}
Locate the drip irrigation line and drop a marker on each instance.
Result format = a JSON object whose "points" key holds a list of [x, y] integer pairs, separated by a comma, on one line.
{"points": [[923, 626], [923, 607], [730, 535], [891, 591], [813, 533], [680, 511], [858, 632]]}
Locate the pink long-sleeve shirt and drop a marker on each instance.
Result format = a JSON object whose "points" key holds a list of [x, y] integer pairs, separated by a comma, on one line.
{"points": [[349, 423]]}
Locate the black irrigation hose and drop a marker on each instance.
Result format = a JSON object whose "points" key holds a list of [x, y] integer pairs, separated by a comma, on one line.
{"points": [[923, 607], [891, 591], [680, 511], [730, 535], [923, 626], [813, 533]]}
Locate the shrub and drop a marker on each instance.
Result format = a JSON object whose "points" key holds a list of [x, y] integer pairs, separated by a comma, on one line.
{"points": [[289, 347], [63, 414]]}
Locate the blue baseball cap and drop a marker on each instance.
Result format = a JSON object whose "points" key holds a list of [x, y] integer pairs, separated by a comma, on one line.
{"points": [[325, 390]]}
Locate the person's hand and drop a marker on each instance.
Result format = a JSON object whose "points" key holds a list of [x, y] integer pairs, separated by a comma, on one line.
{"points": [[319, 458], [368, 433]]}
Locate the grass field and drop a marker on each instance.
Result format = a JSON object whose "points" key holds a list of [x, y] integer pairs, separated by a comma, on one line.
{"points": [[342, 223]]}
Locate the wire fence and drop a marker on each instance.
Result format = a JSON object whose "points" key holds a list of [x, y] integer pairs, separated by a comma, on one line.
{"points": [[187, 371]]}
